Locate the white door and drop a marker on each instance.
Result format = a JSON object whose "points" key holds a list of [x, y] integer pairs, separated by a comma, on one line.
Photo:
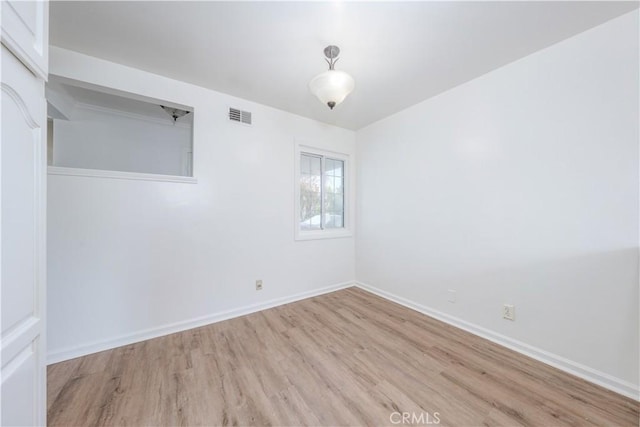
{"points": [[25, 31], [22, 214]]}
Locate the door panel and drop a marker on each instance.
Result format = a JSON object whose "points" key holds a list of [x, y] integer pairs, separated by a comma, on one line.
{"points": [[25, 31], [20, 377], [22, 245], [18, 215]]}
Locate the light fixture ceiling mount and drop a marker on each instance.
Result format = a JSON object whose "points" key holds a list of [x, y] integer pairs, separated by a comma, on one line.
{"points": [[332, 86]]}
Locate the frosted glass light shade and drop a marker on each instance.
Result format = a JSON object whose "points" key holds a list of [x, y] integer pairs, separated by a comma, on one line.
{"points": [[332, 87]]}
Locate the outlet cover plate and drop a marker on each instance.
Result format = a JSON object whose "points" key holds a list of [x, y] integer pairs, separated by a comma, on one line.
{"points": [[451, 295], [509, 312]]}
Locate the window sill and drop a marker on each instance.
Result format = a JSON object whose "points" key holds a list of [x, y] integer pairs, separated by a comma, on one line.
{"points": [[97, 173], [322, 234]]}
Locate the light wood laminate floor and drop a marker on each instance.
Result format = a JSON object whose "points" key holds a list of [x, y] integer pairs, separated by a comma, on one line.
{"points": [[344, 358]]}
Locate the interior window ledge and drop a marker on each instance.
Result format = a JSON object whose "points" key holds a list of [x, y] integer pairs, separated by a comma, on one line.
{"points": [[317, 235], [136, 176]]}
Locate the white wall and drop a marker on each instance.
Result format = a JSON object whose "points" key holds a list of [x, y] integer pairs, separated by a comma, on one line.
{"points": [[96, 138], [128, 259], [519, 187]]}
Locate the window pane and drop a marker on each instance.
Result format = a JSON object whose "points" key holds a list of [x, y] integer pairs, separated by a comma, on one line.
{"points": [[333, 176], [333, 193], [305, 164], [333, 221], [316, 165], [329, 166], [338, 200], [329, 184], [334, 167], [310, 192]]}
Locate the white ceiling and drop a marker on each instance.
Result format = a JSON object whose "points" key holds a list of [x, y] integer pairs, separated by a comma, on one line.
{"points": [[399, 53]]}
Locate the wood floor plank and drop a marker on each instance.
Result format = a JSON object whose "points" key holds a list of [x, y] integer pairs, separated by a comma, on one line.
{"points": [[344, 358]]}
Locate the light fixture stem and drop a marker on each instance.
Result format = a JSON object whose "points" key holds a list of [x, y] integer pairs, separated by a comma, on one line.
{"points": [[332, 62]]}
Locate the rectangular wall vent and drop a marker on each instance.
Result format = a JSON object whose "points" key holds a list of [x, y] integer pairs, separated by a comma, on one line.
{"points": [[240, 116]]}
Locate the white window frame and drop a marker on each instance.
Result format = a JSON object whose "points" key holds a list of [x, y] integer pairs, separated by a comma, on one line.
{"points": [[332, 233]]}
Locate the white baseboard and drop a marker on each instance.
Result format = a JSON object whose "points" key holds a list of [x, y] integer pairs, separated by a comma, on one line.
{"points": [[605, 380], [97, 346]]}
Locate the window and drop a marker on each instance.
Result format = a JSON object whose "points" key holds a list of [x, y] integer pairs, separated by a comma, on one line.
{"points": [[321, 194]]}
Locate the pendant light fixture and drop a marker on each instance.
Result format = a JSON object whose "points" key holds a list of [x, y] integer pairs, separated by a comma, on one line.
{"points": [[332, 86]]}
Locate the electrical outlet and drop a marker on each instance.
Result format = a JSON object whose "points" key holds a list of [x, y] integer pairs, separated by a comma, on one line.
{"points": [[509, 312], [451, 296], [258, 285]]}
